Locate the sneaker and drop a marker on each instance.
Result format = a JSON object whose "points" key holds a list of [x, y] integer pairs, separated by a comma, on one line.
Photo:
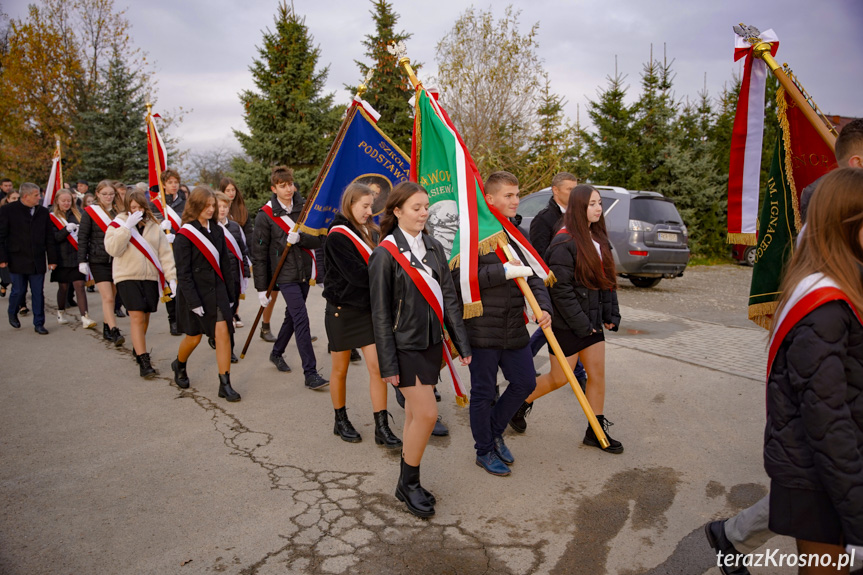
{"points": [[316, 382], [279, 362], [715, 532], [492, 463], [237, 321], [503, 451], [61, 317], [87, 323], [590, 438]]}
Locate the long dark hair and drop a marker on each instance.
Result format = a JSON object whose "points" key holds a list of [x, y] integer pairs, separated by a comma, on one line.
{"points": [[353, 193], [397, 198], [238, 212], [197, 203], [589, 270]]}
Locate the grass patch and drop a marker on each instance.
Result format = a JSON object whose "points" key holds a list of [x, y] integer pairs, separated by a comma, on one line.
{"points": [[711, 260]]}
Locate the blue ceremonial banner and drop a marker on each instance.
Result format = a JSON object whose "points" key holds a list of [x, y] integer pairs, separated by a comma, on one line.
{"points": [[365, 155]]}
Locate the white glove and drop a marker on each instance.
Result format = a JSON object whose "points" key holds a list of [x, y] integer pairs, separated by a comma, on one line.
{"points": [[72, 227], [166, 225], [170, 238], [293, 238], [262, 297], [199, 311], [172, 285], [84, 269], [513, 271], [133, 220]]}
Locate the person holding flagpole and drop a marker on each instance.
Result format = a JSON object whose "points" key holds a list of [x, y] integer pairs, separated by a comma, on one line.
{"points": [[412, 298], [348, 317], [813, 443], [93, 258], [66, 219], [206, 290], [143, 266], [274, 227], [171, 215]]}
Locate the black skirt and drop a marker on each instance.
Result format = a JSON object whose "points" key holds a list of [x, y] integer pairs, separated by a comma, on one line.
{"points": [[424, 365], [101, 273], [571, 344], [804, 514], [66, 275], [195, 325], [139, 295], [348, 327]]}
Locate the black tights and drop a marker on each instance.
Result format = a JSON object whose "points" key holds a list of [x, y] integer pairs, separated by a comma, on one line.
{"points": [[62, 290]]}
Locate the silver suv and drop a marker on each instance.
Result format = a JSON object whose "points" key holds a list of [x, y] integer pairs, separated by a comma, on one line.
{"points": [[648, 237]]}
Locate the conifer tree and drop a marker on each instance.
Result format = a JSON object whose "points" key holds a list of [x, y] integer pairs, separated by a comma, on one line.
{"points": [[551, 144], [290, 120], [112, 134], [389, 90], [614, 152]]}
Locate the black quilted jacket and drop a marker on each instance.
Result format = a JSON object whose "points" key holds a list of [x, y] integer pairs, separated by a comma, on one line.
{"points": [[814, 434]]}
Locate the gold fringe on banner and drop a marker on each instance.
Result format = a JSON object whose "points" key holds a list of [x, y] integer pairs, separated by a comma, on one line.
{"points": [[782, 112], [740, 238], [762, 313]]}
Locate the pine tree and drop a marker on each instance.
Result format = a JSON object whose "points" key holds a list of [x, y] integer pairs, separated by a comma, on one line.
{"points": [[112, 133], [550, 145], [616, 157], [389, 89], [290, 121], [578, 159]]}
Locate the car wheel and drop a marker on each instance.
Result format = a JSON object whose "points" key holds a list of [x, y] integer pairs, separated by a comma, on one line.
{"points": [[749, 256], [644, 282]]}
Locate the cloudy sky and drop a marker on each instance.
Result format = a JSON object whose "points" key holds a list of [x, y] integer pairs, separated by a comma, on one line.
{"points": [[202, 49]]}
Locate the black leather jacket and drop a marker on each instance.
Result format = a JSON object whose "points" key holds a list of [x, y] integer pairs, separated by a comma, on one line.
{"points": [[401, 317]]}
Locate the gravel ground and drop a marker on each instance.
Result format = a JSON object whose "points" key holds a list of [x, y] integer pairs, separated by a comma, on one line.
{"points": [[717, 294]]}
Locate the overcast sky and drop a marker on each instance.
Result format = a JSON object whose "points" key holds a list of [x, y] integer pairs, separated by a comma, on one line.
{"points": [[203, 48]]}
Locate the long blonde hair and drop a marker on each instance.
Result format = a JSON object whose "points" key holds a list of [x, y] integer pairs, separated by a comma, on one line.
{"points": [[831, 244], [116, 206], [58, 212]]}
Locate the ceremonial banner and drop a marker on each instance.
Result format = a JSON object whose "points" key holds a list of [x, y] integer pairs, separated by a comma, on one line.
{"points": [[365, 155], [55, 179], [799, 158], [155, 151]]}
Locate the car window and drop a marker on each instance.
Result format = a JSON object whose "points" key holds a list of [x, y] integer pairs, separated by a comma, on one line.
{"points": [[608, 202], [654, 210], [532, 204]]}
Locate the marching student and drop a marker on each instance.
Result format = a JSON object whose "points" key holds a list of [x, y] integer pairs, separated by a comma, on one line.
{"points": [[813, 445], [94, 259], [66, 218], [584, 301], [176, 202], [120, 191], [143, 264], [273, 230], [348, 316], [240, 214], [238, 254], [499, 338], [205, 287], [407, 271]]}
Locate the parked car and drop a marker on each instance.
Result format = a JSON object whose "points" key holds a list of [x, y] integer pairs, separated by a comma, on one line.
{"points": [[744, 254], [648, 237]]}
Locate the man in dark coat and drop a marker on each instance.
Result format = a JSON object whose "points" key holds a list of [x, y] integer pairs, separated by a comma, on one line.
{"points": [[270, 241], [499, 338], [26, 240]]}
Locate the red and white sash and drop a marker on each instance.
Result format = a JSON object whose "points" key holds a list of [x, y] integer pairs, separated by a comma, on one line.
{"points": [[168, 212], [358, 242], [206, 247], [98, 215], [60, 224], [287, 225], [431, 291], [144, 247], [812, 291], [234, 248]]}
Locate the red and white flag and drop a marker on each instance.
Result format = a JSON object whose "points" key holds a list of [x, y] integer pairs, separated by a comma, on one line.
{"points": [[55, 180], [155, 151], [746, 138]]}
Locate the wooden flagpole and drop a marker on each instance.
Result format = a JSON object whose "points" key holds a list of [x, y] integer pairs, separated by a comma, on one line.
{"points": [[404, 61], [352, 110]]}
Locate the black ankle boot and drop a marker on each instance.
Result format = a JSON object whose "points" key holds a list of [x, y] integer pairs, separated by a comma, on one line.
{"points": [[383, 434], [117, 337], [266, 334], [343, 427], [411, 492], [225, 389], [590, 438], [518, 422], [181, 378], [146, 369], [106, 333]]}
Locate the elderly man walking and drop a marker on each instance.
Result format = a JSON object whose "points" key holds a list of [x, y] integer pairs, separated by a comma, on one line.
{"points": [[26, 240]]}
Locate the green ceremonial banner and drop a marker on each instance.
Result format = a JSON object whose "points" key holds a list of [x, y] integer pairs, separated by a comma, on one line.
{"points": [[444, 168]]}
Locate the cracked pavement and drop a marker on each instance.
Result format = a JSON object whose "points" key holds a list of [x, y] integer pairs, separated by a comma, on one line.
{"points": [[104, 472]]}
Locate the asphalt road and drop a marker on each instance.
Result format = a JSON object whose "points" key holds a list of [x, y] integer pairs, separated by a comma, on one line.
{"points": [[106, 473]]}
